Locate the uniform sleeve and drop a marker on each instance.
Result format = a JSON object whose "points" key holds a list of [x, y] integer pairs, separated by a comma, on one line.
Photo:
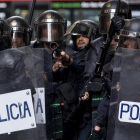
{"points": [[77, 67], [103, 110]]}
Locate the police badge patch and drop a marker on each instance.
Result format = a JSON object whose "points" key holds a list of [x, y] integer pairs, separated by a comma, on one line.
{"points": [[14, 23]]}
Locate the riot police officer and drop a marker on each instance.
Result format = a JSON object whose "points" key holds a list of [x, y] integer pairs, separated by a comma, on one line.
{"points": [[129, 38], [80, 33], [106, 14], [13, 76], [126, 59], [22, 32], [50, 27]]}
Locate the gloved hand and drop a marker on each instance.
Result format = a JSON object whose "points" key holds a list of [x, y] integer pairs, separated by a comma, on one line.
{"points": [[66, 60], [117, 24], [96, 135]]}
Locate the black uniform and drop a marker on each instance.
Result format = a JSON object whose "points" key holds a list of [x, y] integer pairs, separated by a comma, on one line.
{"points": [[79, 57], [50, 28], [105, 16], [92, 58]]}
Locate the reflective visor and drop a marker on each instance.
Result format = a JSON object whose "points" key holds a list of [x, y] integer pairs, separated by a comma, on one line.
{"points": [[129, 42], [48, 32], [17, 39], [104, 22], [81, 29], [77, 29]]}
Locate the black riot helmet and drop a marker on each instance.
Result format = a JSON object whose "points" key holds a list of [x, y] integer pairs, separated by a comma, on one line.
{"points": [[79, 28], [130, 34], [107, 13], [22, 32], [95, 31], [50, 27], [5, 35]]}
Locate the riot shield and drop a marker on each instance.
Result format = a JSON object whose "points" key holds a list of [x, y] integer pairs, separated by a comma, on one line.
{"points": [[39, 99], [43, 67], [124, 118], [16, 89]]}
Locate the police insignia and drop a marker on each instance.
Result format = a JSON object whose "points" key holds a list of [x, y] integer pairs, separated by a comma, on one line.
{"points": [[127, 24], [118, 86], [108, 5], [48, 15], [14, 22]]}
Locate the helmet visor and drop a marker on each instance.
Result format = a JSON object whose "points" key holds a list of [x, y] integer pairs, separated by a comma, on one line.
{"points": [[77, 29], [81, 29], [17, 39], [104, 22], [129, 42], [50, 32]]}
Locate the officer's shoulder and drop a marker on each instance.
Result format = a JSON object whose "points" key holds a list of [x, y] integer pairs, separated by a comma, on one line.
{"points": [[98, 41]]}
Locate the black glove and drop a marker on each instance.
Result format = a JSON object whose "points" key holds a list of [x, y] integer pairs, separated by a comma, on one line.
{"points": [[117, 24], [96, 135]]}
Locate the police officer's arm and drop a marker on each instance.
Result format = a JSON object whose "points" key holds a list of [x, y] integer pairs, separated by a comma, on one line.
{"points": [[65, 61], [102, 112], [64, 58]]}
